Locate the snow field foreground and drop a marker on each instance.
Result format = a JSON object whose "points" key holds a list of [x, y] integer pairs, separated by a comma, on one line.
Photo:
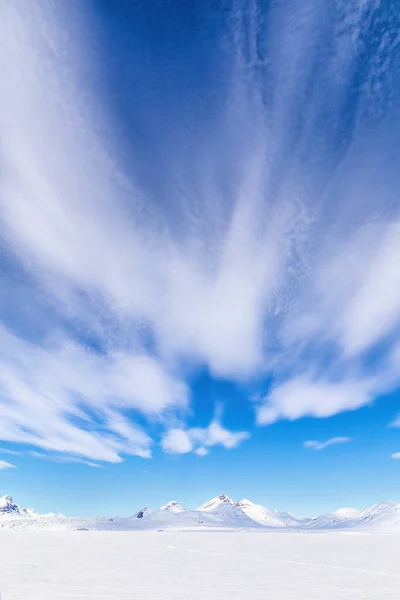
{"points": [[71, 565]]}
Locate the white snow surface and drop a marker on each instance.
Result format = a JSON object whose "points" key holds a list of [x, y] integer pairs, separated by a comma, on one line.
{"points": [[281, 565]]}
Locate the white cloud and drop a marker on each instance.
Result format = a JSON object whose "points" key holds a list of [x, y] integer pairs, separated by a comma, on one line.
{"points": [[352, 298], [5, 465], [7, 451], [374, 309], [64, 217], [216, 434], [83, 246], [305, 396], [201, 451], [176, 441], [81, 397], [264, 278], [181, 441], [395, 422], [396, 455], [331, 442], [63, 459]]}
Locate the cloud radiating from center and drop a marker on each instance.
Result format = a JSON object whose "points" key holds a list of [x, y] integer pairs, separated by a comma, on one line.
{"points": [[290, 262]]}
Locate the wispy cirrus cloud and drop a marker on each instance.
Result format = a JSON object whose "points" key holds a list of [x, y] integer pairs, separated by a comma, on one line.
{"points": [[395, 422], [347, 321], [81, 398], [7, 451], [61, 459], [6, 465], [290, 261], [396, 455], [331, 442]]}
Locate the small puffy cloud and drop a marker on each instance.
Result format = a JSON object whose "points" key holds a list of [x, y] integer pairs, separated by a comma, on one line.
{"points": [[201, 451], [216, 434], [181, 441], [331, 442], [396, 455], [176, 441], [6, 465]]}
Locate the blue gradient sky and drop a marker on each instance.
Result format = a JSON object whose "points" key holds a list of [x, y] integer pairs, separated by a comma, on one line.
{"points": [[200, 241]]}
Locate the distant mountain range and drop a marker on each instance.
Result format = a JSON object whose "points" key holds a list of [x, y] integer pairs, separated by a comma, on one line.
{"points": [[217, 514]]}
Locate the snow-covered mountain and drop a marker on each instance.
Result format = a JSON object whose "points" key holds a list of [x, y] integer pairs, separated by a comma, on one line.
{"points": [[218, 503], [8, 508], [230, 510], [260, 514], [143, 512], [290, 519], [385, 515], [224, 512], [172, 507], [220, 513]]}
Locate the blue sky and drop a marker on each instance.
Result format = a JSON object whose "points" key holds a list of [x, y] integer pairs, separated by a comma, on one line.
{"points": [[200, 241]]}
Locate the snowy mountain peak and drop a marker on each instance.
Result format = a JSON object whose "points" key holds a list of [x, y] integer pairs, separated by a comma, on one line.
{"points": [[9, 508], [172, 507], [7, 505], [225, 498], [259, 513], [244, 502], [217, 502], [220, 512]]}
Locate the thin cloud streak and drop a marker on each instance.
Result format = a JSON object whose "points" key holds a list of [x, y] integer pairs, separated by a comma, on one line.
{"points": [[6, 465], [331, 442], [395, 422], [7, 451], [64, 459]]}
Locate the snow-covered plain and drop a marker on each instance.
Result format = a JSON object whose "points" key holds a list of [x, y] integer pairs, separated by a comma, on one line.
{"points": [[223, 549], [151, 565]]}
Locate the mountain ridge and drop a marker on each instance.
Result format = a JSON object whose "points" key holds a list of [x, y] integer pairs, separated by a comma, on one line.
{"points": [[218, 513]]}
